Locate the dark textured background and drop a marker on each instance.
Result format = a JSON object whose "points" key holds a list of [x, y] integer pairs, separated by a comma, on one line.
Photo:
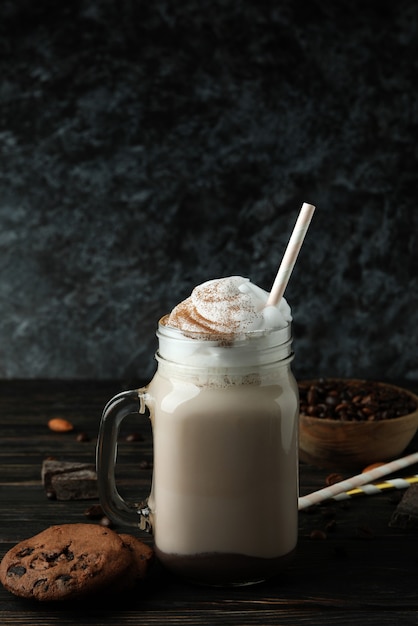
{"points": [[148, 146]]}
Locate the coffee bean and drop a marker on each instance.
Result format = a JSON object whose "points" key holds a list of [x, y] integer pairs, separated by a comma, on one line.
{"points": [[367, 411], [332, 400], [94, 512], [367, 399], [82, 437], [333, 478], [341, 407], [318, 535], [312, 395], [354, 400]]}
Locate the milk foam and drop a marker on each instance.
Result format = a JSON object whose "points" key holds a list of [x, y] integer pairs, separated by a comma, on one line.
{"points": [[226, 313], [230, 306]]}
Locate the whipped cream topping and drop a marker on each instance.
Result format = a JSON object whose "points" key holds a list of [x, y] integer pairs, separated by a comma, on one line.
{"points": [[228, 306]]}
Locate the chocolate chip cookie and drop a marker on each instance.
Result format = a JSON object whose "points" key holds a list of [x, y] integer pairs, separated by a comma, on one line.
{"points": [[142, 557], [65, 562]]}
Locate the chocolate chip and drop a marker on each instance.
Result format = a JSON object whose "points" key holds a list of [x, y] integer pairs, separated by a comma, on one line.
{"points": [[69, 555], [16, 570], [25, 552], [63, 579], [41, 581], [51, 557]]}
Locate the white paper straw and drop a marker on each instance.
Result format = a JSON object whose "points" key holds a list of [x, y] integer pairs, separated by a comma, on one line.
{"points": [[291, 254], [357, 481]]}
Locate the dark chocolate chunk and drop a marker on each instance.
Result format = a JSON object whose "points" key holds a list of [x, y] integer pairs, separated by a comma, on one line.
{"points": [[65, 480], [406, 513]]}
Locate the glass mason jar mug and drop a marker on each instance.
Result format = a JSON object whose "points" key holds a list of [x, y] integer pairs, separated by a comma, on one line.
{"points": [[224, 496]]}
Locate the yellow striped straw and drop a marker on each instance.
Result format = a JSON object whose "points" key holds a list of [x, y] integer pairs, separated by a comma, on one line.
{"points": [[371, 489]]}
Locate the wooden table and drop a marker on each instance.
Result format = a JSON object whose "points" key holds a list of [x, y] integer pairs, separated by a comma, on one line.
{"points": [[363, 572]]}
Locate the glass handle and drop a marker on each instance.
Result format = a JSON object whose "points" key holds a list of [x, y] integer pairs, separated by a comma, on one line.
{"points": [[114, 506]]}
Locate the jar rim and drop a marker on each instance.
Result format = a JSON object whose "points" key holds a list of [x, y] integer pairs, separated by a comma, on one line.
{"points": [[255, 347], [224, 339], [232, 369]]}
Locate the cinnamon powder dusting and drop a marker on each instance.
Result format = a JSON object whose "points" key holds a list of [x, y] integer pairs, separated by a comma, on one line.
{"points": [[217, 306]]}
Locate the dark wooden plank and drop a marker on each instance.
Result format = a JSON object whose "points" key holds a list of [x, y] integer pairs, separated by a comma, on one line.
{"points": [[286, 615]]}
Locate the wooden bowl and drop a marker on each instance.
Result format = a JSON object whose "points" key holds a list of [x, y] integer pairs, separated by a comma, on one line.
{"points": [[339, 444]]}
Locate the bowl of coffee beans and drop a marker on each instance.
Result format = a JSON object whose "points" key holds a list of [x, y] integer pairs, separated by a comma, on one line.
{"points": [[349, 423]]}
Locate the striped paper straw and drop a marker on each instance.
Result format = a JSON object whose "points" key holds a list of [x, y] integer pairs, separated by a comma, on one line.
{"points": [[291, 254], [357, 481], [372, 489]]}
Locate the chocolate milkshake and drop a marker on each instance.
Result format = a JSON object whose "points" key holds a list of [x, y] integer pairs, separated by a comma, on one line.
{"points": [[224, 496]]}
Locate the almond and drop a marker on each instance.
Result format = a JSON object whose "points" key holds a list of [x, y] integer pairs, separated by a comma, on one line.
{"points": [[60, 425], [371, 467]]}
